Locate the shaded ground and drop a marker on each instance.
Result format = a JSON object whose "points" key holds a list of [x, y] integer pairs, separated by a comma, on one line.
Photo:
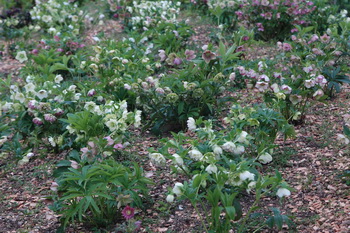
{"points": [[310, 163]]}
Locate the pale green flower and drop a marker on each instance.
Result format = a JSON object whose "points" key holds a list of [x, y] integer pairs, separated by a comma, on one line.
{"points": [[22, 56]]}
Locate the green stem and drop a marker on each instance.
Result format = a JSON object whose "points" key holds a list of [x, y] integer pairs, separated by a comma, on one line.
{"points": [[251, 210], [247, 216], [200, 216]]}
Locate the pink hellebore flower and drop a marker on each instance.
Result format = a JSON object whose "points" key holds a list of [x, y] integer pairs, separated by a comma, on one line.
{"points": [[337, 53], [138, 225], [264, 77], [317, 51], [309, 83], [321, 80], [110, 141], [32, 104], [286, 47], [58, 112], [93, 148], [319, 93], [54, 186], [308, 69], [177, 61], [260, 27], [50, 118], [128, 212], [325, 38], [38, 121], [286, 89], [162, 55], [262, 86], [92, 92], [35, 51], [85, 151], [57, 38], [118, 146], [279, 45], [208, 56], [313, 39], [74, 164], [190, 54], [240, 48]]}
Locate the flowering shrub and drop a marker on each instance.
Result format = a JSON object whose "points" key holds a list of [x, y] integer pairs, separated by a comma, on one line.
{"points": [[262, 123], [96, 118], [224, 11], [323, 52], [193, 87], [275, 19], [309, 67], [290, 91], [97, 193], [56, 16], [217, 170], [148, 14]]}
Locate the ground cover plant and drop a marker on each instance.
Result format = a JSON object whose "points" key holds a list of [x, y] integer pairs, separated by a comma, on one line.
{"points": [[174, 116]]}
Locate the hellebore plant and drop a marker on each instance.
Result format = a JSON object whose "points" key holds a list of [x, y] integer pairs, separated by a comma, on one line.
{"points": [[217, 172]]}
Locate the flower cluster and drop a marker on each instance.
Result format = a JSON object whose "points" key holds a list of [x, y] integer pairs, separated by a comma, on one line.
{"points": [[275, 19], [57, 15], [216, 160], [148, 14]]}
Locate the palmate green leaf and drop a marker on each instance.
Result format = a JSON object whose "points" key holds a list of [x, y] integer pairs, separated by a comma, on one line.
{"points": [[57, 66], [230, 211], [71, 196], [180, 108], [346, 130], [91, 201]]}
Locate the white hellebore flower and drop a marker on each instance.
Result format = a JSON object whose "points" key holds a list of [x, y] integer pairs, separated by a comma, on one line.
{"points": [[170, 198], [283, 192], [20, 97], [309, 83], [178, 188], [343, 139], [217, 150], [195, 155], [112, 124], [265, 158], [137, 122], [178, 159], [243, 137], [21, 56], [58, 78], [229, 146], [157, 158], [30, 87], [246, 175], [239, 150], [211, 169], [42, 94], [191, 124], [251, 185]]}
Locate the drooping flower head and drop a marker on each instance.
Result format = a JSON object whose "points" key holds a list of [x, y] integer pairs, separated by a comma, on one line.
{"points": [[208, 56], [190, 54]]}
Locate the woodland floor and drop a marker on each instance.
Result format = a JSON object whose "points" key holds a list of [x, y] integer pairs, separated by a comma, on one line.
{"points": [[310, 163]]}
